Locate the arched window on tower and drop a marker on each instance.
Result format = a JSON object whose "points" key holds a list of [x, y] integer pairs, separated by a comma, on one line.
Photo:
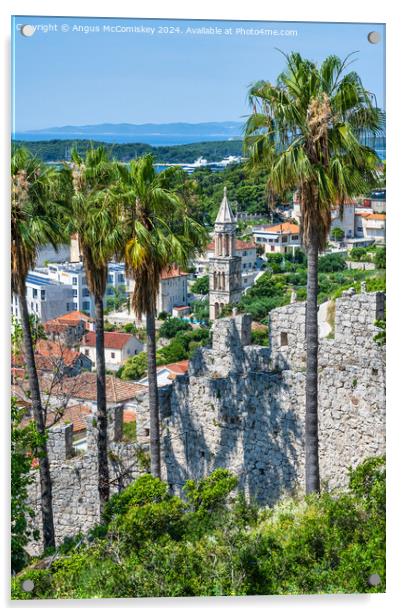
{"points": [[226, 245], [223, 281]]}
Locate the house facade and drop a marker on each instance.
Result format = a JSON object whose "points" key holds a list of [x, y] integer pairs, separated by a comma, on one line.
{"points": [[172, 290], [69, 328], [118, 348], [374, 227], [46, 299], [73, 275], [283, 238]]}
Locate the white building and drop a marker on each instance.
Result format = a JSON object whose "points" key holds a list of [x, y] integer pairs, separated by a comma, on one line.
{"points": [[74, 274], [46, 298], [346, 221], [283, 238], [374, 227], [118, 348], [172, 290]]}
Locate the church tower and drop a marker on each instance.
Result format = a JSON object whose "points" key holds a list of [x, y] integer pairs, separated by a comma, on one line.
{"points": [[225, 285]]}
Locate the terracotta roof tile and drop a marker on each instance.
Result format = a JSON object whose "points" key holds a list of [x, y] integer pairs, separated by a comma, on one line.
{"points": [[47, 352], [284, 228], [83, 387], [113, 340], [240, 245], [173, 272], [376, 217]]}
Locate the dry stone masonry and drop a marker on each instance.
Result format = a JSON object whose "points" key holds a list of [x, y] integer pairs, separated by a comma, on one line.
{"points": [[75, 476], [242, 407]]}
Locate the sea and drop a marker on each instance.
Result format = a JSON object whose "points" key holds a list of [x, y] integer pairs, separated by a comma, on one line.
{"points": [[154, 140]]}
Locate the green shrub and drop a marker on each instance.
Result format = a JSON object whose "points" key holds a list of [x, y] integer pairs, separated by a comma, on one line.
{"points": [[134, 368], [155, 544], [173, 326], [201, 285], [380, 258], [331, 263]]}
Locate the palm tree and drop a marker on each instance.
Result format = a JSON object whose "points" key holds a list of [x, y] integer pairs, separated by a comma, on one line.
{"points": [[37, 215], [306, 131], [160, 235], [97, 225]]}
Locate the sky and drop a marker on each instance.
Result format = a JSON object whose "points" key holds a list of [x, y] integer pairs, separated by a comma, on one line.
{"points": [[63, 75]]}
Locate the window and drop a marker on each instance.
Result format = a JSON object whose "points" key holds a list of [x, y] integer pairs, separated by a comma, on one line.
{"points": [[284, 339], [109, 291], [68, 307], [75, 280], [75, 293], [86, 306], [284, 239], [75, 306], [87, 352], [43, 295], [146, 431], [112, 355], [34, 293], [110, 279], [85, 292], [121, 278], [295, 237]]}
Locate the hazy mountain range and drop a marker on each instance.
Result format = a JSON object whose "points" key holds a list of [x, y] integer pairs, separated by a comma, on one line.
{"points": [[217, 129]]}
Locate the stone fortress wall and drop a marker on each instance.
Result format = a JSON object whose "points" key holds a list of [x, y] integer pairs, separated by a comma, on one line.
{"points": [[75, 476], [242, 407]]}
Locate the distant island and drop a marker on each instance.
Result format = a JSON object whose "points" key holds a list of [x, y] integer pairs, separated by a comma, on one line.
{"points": [[152, 134], [57, 150]]}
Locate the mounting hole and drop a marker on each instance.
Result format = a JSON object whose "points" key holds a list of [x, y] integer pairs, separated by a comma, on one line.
{"points": [[27, 30], [373, 37], [28, 585], [374, 579]]}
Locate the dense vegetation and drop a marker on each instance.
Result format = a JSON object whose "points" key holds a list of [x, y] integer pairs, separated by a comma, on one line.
{"points": [[56, 149], [211, 542], [285, 273]]}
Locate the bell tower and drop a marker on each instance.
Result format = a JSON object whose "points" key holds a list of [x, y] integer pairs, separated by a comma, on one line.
{"points": [[225, 285]]}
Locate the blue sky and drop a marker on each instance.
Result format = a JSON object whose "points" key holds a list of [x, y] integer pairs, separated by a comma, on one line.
{"points": [[69, 77]]}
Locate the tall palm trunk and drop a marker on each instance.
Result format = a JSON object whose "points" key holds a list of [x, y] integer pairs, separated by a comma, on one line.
{"points": [[44, 467], [103, 468], [312, 472], [153, 396]]}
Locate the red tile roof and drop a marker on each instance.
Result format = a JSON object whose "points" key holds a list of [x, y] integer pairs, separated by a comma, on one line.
{"points": [[376, 217], [75, 315], [178, 367], [172, 272], [74, 414], [70, 319], [48, 352], [113, 340], [83, 387], [240, 245], [284, 228]]}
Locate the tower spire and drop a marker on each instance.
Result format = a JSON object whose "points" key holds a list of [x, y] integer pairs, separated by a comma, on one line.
{"points": [[225, 214]]}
